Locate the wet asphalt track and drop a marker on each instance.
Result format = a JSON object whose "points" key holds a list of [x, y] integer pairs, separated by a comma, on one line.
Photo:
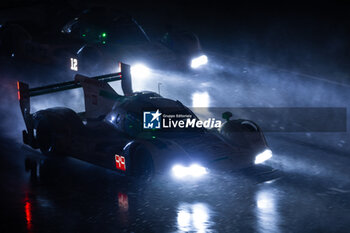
{"points": [[310, 193], [41, 194]]}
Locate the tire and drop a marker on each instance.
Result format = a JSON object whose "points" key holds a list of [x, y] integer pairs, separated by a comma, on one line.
{"points": [[45, 136], [52, 140], [54, 130], [142, 164]]}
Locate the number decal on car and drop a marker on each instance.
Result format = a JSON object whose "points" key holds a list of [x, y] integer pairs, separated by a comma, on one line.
{"points": [[74, 64], [120, 162]]}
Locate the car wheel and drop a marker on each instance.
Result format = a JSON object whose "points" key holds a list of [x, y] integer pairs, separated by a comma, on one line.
{"points": [[45, 137], [52, 140], [142, 164]]}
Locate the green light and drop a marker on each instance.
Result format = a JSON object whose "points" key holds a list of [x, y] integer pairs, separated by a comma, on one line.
{"points": [[83, 35], [103, 42], [153, 137], [104, 35]]}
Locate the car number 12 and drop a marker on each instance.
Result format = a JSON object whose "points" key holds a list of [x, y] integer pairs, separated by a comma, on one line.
{"points": [[74, 64]]}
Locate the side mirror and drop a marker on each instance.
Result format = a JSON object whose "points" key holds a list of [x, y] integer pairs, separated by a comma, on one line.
{"points": [[227, 115]]}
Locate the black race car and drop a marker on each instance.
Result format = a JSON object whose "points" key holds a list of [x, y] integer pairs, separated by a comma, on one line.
{"points": [[110, 36], [93, 42], [124, 132]]}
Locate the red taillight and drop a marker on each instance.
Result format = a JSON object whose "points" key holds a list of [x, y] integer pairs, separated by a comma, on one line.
{"points": [[18, 91], [120, 70], [120, 162]]}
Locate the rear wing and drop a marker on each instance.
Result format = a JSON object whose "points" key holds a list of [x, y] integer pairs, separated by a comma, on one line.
{"points": [[24, 93]]}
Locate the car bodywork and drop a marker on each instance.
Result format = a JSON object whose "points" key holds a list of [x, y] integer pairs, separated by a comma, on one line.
{"points": [[110, 132]]}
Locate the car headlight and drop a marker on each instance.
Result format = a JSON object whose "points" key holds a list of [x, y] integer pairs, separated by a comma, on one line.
{"points": [[262, 157], [194, 170], [140, 71], [199, 61]]}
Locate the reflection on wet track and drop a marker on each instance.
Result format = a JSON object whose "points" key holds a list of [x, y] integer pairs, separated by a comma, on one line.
{"points": [[266, 211], [66, 195], [193, 217], [28, 213]]}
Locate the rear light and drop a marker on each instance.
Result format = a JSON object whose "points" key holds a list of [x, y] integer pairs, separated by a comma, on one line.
{"points": [[18, 91]]}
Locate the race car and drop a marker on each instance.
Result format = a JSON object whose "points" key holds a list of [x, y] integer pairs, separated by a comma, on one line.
{"points": [[93, 41], [110, 36], [122, 132]]}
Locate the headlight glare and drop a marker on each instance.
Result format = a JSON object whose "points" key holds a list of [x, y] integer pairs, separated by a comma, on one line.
{"points": [[262, 157], [194, 170], [140, 71], [199, 61]]}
